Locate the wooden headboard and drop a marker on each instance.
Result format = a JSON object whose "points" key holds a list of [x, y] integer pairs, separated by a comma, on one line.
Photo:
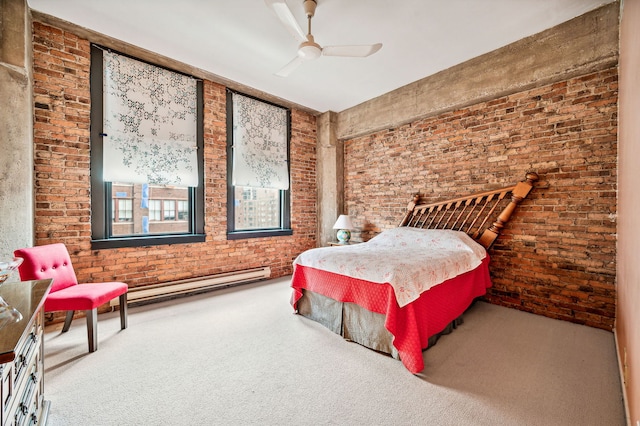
{"points": [[473, 214]]}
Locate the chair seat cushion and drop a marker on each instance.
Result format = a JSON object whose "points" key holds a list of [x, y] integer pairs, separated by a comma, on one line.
{"points": [[83, 296]]}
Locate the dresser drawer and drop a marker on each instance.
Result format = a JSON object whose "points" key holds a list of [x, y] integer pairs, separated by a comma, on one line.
{"points": [[22, 385], [27, 402]]}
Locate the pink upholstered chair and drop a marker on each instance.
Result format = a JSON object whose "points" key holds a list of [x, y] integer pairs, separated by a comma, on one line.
{"points": [[53, 261]]}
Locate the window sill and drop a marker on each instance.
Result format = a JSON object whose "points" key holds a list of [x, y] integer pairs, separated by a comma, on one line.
{"points": [[155, 240], [255, 233]]}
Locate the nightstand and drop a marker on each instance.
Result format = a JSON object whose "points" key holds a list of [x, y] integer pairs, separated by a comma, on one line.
{"points": [[350, 243]]}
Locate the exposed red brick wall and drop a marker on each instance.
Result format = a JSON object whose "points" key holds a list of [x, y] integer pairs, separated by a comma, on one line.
{"points": [[62, 184], [557, 257]]}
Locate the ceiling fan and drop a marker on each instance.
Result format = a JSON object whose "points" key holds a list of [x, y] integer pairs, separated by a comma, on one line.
{"points": [[308, 48]]}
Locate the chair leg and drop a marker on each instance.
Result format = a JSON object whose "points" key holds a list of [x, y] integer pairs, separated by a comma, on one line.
{"points": [[123, 311], [67, 321], [92, 329]]}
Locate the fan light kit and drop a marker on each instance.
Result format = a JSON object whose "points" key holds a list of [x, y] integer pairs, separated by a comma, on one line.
{"points": [[308, 48]]}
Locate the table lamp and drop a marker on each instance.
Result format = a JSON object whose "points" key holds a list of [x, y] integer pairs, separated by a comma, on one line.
{"points": [[344, 227]]}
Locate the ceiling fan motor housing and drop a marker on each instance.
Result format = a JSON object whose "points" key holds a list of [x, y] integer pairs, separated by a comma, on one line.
{"points": [[309, 49]]}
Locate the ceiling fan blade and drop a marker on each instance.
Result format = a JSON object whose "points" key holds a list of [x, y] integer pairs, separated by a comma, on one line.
{"points": [[290, 67], [351, 51], [283, 13]]}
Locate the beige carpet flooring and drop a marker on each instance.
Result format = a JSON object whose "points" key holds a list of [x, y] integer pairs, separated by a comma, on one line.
{"points": [[240, 357]]}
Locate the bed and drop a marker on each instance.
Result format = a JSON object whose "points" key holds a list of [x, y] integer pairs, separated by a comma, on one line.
{"points": [[401, 290]]}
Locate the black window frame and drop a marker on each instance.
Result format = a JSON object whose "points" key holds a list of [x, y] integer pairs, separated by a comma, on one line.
{"points": [[101, 199], [285, 194]]}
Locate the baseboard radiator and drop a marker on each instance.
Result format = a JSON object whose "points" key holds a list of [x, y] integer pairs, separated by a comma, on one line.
{"points": [[156, 292]]}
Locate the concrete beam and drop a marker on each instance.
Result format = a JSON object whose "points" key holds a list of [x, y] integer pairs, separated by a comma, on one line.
{"points": [[582, 45]]}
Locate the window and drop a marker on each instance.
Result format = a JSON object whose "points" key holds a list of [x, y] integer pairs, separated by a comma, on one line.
{"points": [[169, 210], [146, 154], [258, 135], [124, 211], [183, 210], [155, 210]]}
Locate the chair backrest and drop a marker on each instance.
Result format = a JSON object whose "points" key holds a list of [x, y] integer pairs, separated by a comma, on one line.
{"points": [[48, 261]]}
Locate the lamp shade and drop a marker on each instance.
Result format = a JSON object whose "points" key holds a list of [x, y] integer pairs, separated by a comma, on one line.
{"points": [[343, 222]]}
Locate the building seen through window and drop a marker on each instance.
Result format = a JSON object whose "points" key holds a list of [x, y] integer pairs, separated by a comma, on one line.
{"points": [[139, 209], [257, 208]]}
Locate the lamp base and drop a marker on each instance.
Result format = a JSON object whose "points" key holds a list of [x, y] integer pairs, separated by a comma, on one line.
{"points": [[343, 235]]}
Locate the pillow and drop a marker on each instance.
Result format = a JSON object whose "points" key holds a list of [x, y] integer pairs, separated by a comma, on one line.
{"points": [[428, 238]]}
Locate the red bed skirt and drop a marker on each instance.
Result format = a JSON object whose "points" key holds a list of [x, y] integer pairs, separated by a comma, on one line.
{"points": [[411, 325]]}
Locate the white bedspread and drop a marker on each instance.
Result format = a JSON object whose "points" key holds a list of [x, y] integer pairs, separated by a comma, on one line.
{"points": [[411, 260]]}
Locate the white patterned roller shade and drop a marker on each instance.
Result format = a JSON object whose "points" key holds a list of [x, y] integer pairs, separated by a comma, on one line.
{"points": [[149, 124], [259, 144]]}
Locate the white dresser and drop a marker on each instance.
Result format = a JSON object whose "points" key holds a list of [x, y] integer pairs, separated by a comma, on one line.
{"points": [[22, 355]]}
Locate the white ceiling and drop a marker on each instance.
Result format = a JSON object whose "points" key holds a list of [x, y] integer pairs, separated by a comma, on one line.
{"points": [[243, 41]]}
